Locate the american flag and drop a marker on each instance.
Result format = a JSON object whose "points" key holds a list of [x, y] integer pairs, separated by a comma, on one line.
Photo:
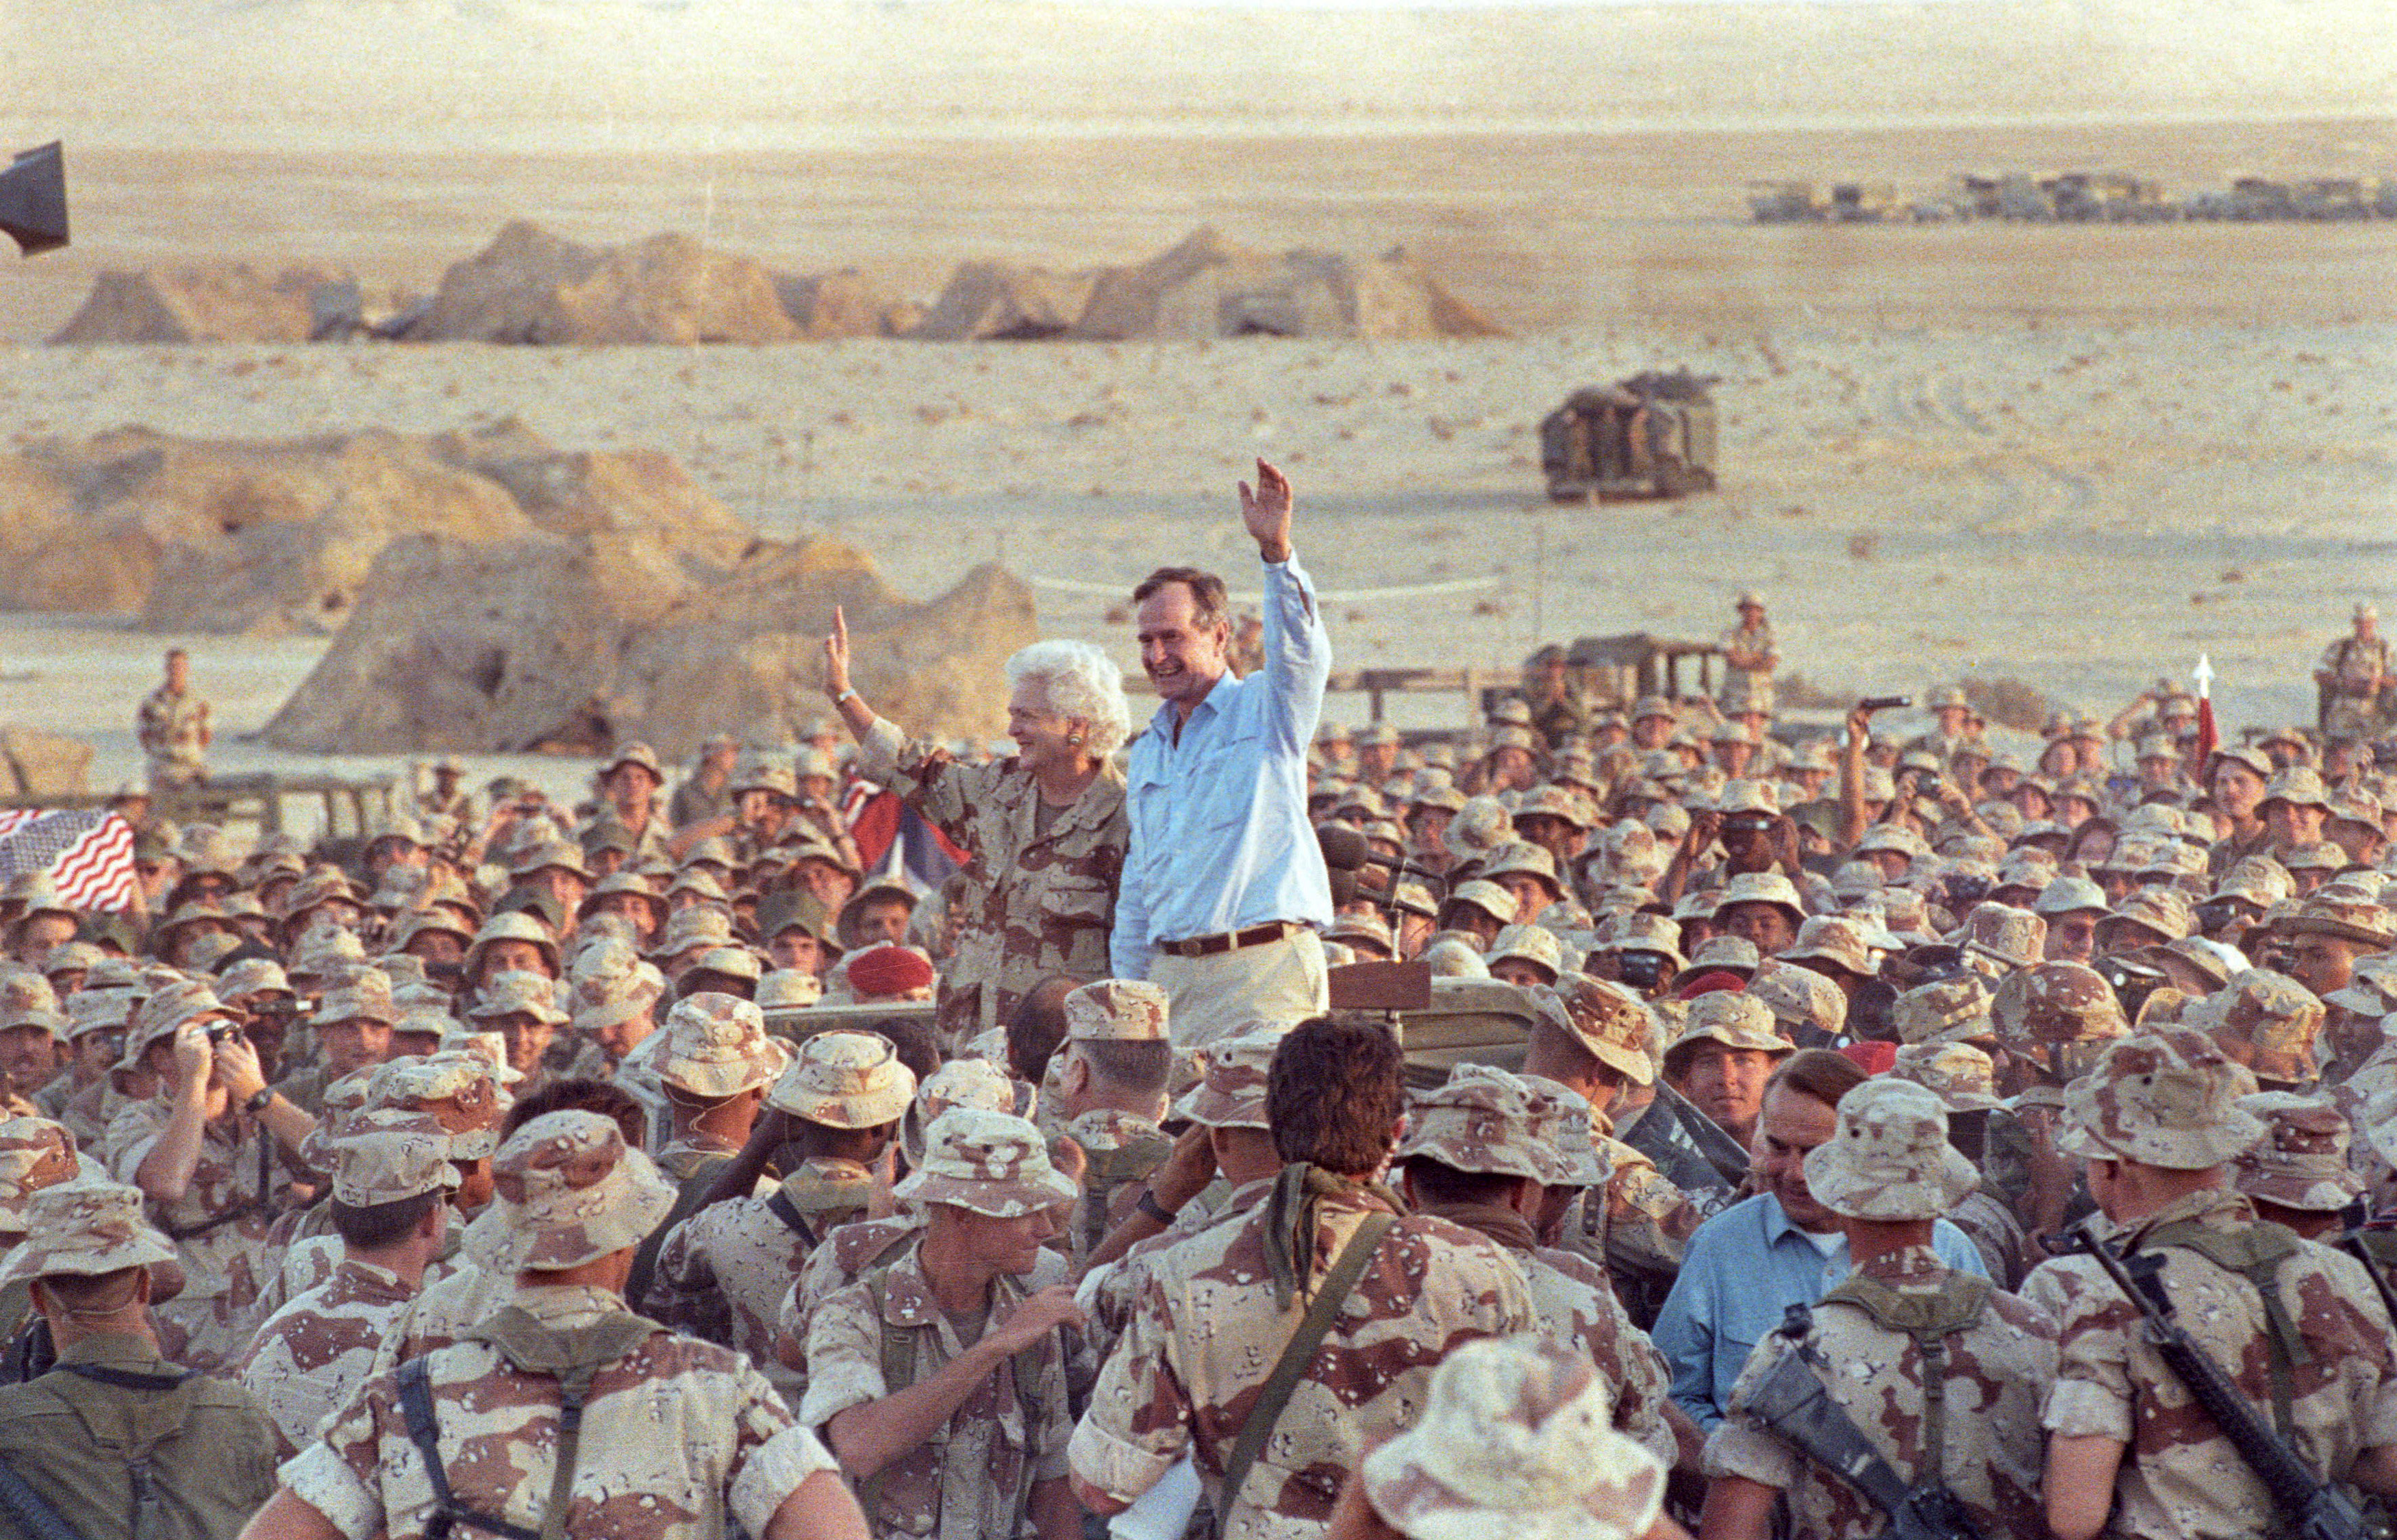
{"points": [[88, 854]]}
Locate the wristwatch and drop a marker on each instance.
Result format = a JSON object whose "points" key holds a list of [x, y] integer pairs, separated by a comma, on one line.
{"points": [[258, 1103], [1151, 1206], [844, 695]]}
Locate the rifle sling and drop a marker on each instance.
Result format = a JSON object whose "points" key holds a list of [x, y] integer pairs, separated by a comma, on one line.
{"points": [[1296, 1354], [2254, 1253], [29, 1510]]}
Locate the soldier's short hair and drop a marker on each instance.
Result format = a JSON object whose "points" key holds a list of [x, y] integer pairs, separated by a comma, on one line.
{"points": [[1035, 1029], [582, 1094], [96, 1292], [1139, 1067], [1439, 1181], [369, 1226], [1818, 1072], [1212, 604], [911, 1038], [1335, 1093], [822, 1142]]}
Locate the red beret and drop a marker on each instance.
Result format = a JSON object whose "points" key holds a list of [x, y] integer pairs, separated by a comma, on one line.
{"points": [[888, 971], [1708, 982]]}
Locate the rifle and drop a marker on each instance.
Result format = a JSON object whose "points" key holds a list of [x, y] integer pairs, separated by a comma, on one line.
{"points": [[2315, 1508], [29, 1510], [2355, 1240], [1790, 1401]]}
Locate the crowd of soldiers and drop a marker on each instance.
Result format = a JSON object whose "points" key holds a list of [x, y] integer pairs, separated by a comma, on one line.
{"points": [[657, 1167]]}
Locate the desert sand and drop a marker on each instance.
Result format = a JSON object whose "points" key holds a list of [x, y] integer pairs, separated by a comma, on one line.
{"points": [[2078, 456]]}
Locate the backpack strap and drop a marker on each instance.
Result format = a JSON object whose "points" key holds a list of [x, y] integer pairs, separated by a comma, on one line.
{"points": [[424, 1432], [2254, 1252], [573, 1358], [1930, 1318], [1296, 1354], [781, 1207]]}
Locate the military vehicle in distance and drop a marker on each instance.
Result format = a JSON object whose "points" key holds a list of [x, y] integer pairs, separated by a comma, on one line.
{"points": [[1650, 436]]}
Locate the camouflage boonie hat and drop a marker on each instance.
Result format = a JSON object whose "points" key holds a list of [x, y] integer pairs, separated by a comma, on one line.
{"points": [[1486, 896], [2166, 911], [1959, 1074], [460, 1090], [2372, 925], [2011, 936], [1554, 801], [70, 956], [698, 928], [1454, 955], [2372, 991], [489, 1047], [91, 1011], [962, 1083], [35, 1153], [1891, 1159], [2274, 1016], [716, 1047], [1738, 1021], [252, 976], [27, 999], [1117, 1010], [2314, 855], [1233, 1070], [164, 1012], [1748, 797], [544, 854], [512, 924], [1723, 954], [1637, 931], [2297, 785], [1837, 940], [1954, 1010], [2069, 895], [1610, 1022], [609, 984], [389, 1157], [731, 962], [1763, 887], [2301, 1161], [1364, 930], [635, 753], [513, 993], [701, 884], [571, 1191], [1478, 1120], [762, 774], [85, 1229], [1529, 943], [789, 989], [1477, 828], [367, 995], [1516, 1439], [845, 1081], [1800, 997], [1563, 1135], [2167, 1098], [989, 1163], [2055, 1003]]}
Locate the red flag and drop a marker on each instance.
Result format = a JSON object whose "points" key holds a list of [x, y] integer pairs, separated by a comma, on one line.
{"points": [[2208, 739]]}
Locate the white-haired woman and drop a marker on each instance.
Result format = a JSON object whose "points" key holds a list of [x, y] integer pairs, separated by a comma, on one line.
{"points": [[1044, 828]]}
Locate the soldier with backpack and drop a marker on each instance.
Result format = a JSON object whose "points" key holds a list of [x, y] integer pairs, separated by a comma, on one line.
{"points": [[564, 1412]]}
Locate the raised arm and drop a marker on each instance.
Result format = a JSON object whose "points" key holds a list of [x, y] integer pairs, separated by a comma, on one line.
{"points": [[1297, 649]]}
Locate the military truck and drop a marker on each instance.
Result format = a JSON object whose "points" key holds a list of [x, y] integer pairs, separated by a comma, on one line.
{"points": [[1649, 436]]}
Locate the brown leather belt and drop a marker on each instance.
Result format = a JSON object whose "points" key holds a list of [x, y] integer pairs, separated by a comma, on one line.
{"points": [[1230, 940]]}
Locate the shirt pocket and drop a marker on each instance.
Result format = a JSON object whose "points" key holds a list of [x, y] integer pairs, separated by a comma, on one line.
{"points": [[1074, 908]]}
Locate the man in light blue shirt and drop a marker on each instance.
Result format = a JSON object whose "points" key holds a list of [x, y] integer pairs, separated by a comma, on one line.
{"points": [[1748, 1265], [1224, 887]]}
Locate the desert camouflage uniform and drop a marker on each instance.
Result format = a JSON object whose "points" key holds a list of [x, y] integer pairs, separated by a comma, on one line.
{"points": [[1207, 1331], [693, 1151], [1993, 1449], [1123, 1149], [442, 1313], [170, 727], [89, 1112], [678, 1436], [1109, 1295], [1031, 903], [973, 1478], [311, 1261], [723, 1272], [312, 1355], [225, 1268], [2180, 1476]]}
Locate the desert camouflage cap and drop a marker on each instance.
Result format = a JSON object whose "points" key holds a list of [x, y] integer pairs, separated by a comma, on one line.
{"points": [[2314, 855], [2014, 937], [1478, 827], [2166, 1098], [1232, 1074], [489, 1047], [1748, 797], [512, 924], [1366, 931], [1563, 1135], [2299, 786], [165, 1009], [1836, 940], [2372, 991], [546, 855], [1892, 838], [633, 754], [2301, 1161], [700, 884], [1553, 801], [515, 993], [1959, 1074], [70, 956], [365, 997], [27, 999], [1610, 1022], [1529, 943], [789, 989], [1480, 1119], [1117, 1010], [991, 1163], [388, 1155], [1723, 954], [962, 1083], [718, 1047], [845, 1079], [252, 976], [1954, 1010], [1763, 887], [2166, 911], [1435, 789], [609, 984], [318, 888], [1515, 1442], [1736, 1021], [1486, 896], [2069, 895], [696, 929], [2369, 924], [571, 1191], [1890, 1158], [85, 1229], [1453, 955], [1800, 998], [458, 1090], [35, 1153], [2267, 1020]]}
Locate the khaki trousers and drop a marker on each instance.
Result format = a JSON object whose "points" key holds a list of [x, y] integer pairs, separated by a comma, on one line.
{"points": [[1281, 982]]}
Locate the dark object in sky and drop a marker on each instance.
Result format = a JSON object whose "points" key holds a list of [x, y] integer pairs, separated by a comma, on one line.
{"points": [[34, 200]]}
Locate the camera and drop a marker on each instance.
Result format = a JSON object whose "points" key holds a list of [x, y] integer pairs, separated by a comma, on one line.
{"points": [[222, 1032], [1640, 969]]}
